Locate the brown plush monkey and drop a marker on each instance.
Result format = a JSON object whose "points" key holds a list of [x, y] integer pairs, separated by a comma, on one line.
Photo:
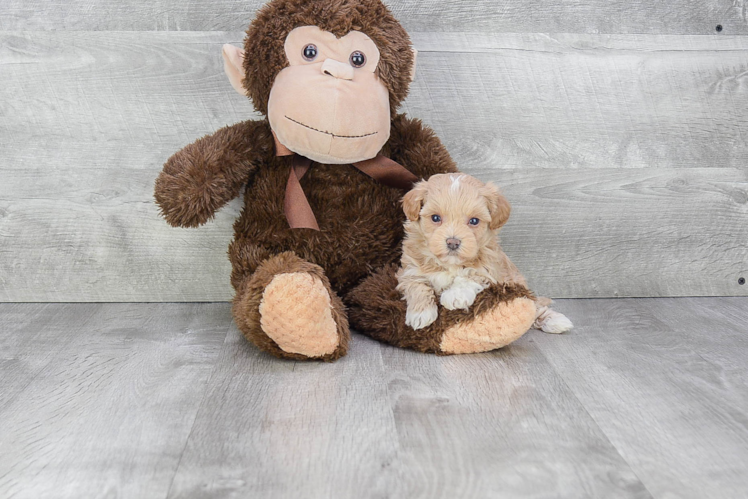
{"points": [[323, 176]]}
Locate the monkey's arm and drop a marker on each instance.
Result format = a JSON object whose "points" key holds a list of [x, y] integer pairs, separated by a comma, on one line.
{"points": [[202, 177], [417, 148]]}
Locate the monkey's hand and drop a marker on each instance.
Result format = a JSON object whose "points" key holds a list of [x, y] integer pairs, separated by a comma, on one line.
{"points": [[207, 174]]}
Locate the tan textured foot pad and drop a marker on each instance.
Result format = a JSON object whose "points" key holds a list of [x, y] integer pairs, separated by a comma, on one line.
{"points": [[500, 314], [496, 328], [296, 312]]}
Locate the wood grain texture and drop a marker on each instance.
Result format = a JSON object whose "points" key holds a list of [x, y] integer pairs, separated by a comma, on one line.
{"points": [[109, 413], [564, 16], [569, 101], [624, 158], [413, 425], [666, 381], [645, 397], [496, 425], [31, 337], [279, 428]]}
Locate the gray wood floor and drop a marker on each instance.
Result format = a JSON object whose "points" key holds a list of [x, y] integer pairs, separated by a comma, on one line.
{"points": [[646, 397]]}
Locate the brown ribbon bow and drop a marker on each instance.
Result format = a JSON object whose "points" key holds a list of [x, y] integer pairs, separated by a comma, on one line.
{"points": [[295, 205]]}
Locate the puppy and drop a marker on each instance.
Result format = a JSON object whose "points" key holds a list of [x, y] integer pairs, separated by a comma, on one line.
{"points": [[451, 250]]}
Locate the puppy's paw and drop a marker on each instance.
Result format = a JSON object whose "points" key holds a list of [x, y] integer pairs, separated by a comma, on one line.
{"points": [[458, 297], [417, 319], [553, 322]]}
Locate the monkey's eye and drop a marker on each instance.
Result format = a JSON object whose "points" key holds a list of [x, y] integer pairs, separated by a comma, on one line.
{"points": [[474, 221], [310, 52], [436, 218], [358, 59]]}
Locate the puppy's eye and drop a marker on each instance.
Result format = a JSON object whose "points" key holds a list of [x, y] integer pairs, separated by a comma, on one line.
{"points": [[436, 218], [309, 52], [474, 221]]}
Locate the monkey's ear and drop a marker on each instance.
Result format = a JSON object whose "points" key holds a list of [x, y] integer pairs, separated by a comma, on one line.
{"points": [[233, 66], [413, 201], [413, 69], [498, 206]]}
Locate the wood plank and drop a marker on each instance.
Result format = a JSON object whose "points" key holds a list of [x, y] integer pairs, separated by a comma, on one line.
{"points": [[498, 424], [270, 428], [113, 99], [111, 411], [666, 381], [567, 16], [624, 158], [278, 428], [627, 232], [514, 100], [644, 397], [570, 101], [98, 237], [733, 308], [31, 336]]}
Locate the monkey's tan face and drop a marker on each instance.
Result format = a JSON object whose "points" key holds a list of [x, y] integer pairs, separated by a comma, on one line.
{"points": [[329, 104]]}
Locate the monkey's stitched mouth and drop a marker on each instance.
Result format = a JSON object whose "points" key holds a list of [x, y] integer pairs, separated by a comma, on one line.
{"points": [[329, 133]]}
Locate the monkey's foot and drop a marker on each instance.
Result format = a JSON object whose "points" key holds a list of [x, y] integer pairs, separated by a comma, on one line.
{"points": [[496, 327], [499, 315], [296, 313], [289, 310]]}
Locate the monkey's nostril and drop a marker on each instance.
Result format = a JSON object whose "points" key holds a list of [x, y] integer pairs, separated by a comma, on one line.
{"points": [[328, 73], [453, 243]]}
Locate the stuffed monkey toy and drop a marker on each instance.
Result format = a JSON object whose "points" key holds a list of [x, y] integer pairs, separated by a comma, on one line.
{"points": [[323, 176]]}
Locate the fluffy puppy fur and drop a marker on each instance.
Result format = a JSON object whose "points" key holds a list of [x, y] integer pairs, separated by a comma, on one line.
{"points": [[451, 250]]}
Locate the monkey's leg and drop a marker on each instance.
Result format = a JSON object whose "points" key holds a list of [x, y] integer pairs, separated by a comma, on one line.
{"points": [[499, 315], [287, 308]]}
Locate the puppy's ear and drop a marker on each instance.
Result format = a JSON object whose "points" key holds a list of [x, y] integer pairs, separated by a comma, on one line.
{"points": [[413, 201], [498, 206]]}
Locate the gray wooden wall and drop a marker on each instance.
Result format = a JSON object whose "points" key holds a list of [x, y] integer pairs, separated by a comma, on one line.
{"points": [[617, 129]]}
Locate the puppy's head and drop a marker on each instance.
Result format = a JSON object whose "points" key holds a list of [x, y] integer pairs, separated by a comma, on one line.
{"points": [[456, 215]]}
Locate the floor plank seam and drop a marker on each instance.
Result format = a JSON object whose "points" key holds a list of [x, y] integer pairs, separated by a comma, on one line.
{"points": [[199, 409], [592, 418], [391, 407]]}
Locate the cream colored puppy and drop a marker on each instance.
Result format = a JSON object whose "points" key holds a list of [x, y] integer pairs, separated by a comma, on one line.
{"points": [[451, 250]]}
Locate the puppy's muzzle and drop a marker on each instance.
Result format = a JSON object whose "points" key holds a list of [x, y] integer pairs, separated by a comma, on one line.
{"points": [[453, 243]]}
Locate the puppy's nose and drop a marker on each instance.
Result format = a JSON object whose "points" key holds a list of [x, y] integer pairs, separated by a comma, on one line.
{"points": [[453, 243]]}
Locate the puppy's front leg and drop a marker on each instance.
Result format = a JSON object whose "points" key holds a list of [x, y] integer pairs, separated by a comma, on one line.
{"points": [[461, 294], [419, 296]]}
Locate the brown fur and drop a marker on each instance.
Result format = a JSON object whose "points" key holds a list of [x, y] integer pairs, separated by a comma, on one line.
{"points": [[210, 172], [361, 222], [377, 308]]}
